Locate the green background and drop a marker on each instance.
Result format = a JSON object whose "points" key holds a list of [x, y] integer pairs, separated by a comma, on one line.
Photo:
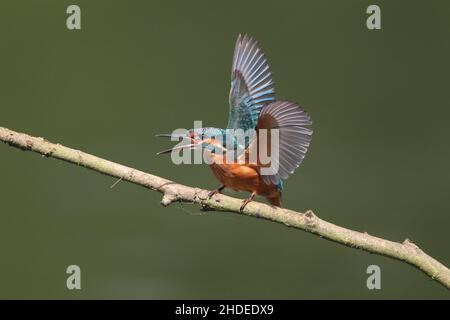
{"points": [[378, 160]]}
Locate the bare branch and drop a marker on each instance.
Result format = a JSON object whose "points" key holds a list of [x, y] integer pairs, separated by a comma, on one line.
{"points": [[308, 221]]}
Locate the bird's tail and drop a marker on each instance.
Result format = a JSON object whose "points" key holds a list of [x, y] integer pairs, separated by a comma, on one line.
{"points": [[275, 200]]}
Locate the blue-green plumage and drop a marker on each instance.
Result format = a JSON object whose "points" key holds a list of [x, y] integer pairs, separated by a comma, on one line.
{"points": [[253, 107], [252, 91]]}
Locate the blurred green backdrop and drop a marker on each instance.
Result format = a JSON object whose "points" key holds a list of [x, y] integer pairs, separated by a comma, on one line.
{"points": [[378, 161]]}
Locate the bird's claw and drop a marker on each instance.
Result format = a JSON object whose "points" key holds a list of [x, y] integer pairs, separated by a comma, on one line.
{"points": [[212, 193], [215, 191], [246, 201]]}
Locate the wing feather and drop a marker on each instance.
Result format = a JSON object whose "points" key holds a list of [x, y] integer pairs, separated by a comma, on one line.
{"points": [[251, 84], [294, 135]]}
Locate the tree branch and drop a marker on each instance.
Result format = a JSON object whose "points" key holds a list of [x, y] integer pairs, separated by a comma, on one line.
{"points": [[308, 221]]}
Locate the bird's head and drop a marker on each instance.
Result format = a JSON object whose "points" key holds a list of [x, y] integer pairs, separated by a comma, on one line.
{"points": [[210, 139]]}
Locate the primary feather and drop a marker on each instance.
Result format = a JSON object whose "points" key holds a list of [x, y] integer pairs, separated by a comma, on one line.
{"points": [[251, 84]]}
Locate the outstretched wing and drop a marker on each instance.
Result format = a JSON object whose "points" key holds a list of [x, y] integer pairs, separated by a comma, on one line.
{"points": [[251, 84], [287, 152]]}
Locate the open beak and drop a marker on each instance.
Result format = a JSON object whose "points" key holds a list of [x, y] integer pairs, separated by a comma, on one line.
{"points": [[179, 138], [187, 146], [173, 137]]}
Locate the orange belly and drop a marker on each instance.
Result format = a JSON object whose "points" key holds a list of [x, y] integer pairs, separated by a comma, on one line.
{"points": [[245, 177]]}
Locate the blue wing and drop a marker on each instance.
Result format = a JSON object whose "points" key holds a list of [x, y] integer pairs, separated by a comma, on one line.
{"points": [[251, 84]]}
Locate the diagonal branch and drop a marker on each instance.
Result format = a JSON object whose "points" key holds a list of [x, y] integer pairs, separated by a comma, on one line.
{"points": [[406, 251]]}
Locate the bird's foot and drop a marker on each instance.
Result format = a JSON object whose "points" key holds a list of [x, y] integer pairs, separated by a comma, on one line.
{"points": [[246, 201], [215, 191], [212, 192]]}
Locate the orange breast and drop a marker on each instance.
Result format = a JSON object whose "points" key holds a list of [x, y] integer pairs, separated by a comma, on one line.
{"points": [[242, 177]]}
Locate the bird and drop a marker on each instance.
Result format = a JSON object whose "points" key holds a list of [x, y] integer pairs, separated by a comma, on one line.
{"points": [[252, 108]]}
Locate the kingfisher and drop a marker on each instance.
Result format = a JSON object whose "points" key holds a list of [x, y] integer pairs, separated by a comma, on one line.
{"points": [[252, 108]]}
